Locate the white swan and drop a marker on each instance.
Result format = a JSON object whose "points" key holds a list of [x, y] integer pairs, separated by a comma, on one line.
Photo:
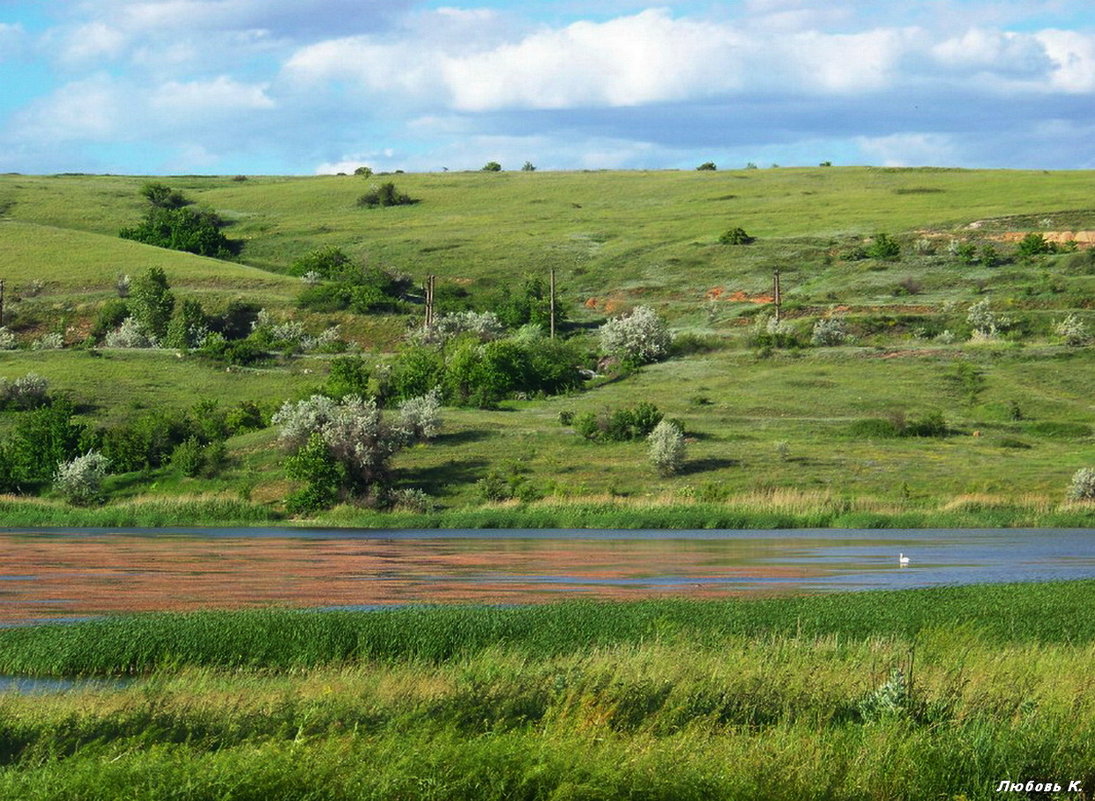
{"points": [[902, 559]]}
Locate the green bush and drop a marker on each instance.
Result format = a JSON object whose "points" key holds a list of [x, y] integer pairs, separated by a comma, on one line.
{"points": [[385, 195], [736, 236], [1034, 244], [151, 301], [110, 316], [618, 425], [884, 248], [491, 166], [707, 166], [190, 230], [349, 375]]}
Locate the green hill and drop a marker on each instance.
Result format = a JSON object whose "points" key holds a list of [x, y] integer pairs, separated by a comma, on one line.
{"points": [[800, 429]]}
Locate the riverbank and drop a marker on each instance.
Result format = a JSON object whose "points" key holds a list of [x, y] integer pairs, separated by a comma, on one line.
{"points": [[939, 693], [785, 509]]}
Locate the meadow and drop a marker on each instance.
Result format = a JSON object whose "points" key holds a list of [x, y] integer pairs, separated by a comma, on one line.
{"points": [[939, 693], [787, 435]]}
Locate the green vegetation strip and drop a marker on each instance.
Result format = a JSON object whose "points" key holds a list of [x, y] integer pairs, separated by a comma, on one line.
{"points": [[280, 639], [940, 693]]}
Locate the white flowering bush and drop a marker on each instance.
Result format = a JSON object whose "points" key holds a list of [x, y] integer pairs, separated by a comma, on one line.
{"points": [[122, 285], [420, 418], [829, 331], [7, 339], [341, 449], [25, 392], [80, 481], [52, 341], [325, 341], [1072, 331], [666, 448], [640, 337], [130, 334], [985, 324], [1083, 485], [484, 325]]}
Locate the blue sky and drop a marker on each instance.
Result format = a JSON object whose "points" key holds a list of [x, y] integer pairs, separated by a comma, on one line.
{"points": [[306, 86]]}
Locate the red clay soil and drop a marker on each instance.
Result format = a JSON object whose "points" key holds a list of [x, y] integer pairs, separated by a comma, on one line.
{"points": [[48, 576]]}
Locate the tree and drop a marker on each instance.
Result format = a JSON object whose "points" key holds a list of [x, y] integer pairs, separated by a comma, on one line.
{"points": [[528, 166], [190, 230], [707, 166], [491, 166], [151, 301], [80, 480], [363, 171]]}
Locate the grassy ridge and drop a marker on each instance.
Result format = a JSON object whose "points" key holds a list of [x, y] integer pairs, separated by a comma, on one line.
{"points": [[937, 693], [289, 639]]}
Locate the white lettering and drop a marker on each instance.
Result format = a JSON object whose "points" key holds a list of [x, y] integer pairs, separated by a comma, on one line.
{"points": [[1076, 787]]}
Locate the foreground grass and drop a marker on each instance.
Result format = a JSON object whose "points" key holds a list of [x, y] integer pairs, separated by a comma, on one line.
{"points": [[781, 699]]}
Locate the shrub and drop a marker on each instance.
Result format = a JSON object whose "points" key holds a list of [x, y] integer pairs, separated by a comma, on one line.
{"points": [[989, 257], [130, 334], [829, 331], [413, 499], [42, 439], [121, 286], [52, 341], [1034, 244], [188, 328], [349, 375], [963, 252], [491, 166], [667, 449], [984, 322], [329, 262], [707, 165], [363, 171], [484, 326], [420, 418], [636, 338], [736, 236], [241, 352], [531, 304], [111, 315], [385, 195], [528, 166], [186, 229], [884, 248], [618, 425], [80, 480], [341, 449], [163, 196], [1082, 487], [152, 302], [194, 458], [1072, 331], [26, 392], [7, 339], [768, 332]]}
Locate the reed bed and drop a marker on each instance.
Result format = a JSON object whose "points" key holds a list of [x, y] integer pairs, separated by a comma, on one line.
{"points": [[285, 639]]}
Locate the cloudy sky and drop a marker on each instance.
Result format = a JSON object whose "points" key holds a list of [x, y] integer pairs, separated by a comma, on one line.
{"points": [[305, 86]]}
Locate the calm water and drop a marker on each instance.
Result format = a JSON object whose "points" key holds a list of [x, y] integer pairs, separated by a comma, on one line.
{"points": [[72, 574]]}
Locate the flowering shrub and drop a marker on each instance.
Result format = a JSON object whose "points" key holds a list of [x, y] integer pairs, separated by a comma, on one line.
{"points": [[639, 338], [80, 481]]}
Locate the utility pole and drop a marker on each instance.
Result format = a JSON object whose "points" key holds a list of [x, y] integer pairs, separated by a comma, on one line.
{"points": [[553, 303]]}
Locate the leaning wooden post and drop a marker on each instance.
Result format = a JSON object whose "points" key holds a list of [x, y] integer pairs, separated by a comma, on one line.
{"points": [[1, 301], [776, 295], [552, 303], [427, 324]]}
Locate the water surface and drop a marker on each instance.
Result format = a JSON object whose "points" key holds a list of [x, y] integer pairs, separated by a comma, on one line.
{"points": [[65, 574]]}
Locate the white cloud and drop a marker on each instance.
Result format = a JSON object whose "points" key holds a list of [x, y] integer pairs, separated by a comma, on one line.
{"points": [[1073, 56], [92, 109], [909, 150], [201, 97], [89, 43], [12, 40]]}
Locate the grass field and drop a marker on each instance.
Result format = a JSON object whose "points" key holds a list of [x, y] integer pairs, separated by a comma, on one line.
{"points": [[761, 424], [940, 693]]}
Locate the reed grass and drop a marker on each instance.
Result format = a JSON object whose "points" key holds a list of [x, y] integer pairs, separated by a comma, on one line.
{"points": [[283, 639]]}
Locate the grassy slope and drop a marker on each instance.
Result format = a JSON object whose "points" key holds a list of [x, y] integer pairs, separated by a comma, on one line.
{"points": [[621, 238]]}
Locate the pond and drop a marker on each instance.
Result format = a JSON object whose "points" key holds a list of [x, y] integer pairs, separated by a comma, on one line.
{"points": [[60, 575]]}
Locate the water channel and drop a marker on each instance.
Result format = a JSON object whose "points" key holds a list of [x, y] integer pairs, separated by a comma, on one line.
{"points": [[61, 574]]}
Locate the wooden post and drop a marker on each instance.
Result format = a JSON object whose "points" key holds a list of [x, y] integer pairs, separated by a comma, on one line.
{"points": [[1, 301], [428, 322], [776, 295], [553, 303]]}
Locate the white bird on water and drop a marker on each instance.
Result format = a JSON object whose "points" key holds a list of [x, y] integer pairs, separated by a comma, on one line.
{"points": [[902, 559]]}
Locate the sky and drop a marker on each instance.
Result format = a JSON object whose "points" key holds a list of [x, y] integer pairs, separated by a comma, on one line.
{"points": [[321, 86]]}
